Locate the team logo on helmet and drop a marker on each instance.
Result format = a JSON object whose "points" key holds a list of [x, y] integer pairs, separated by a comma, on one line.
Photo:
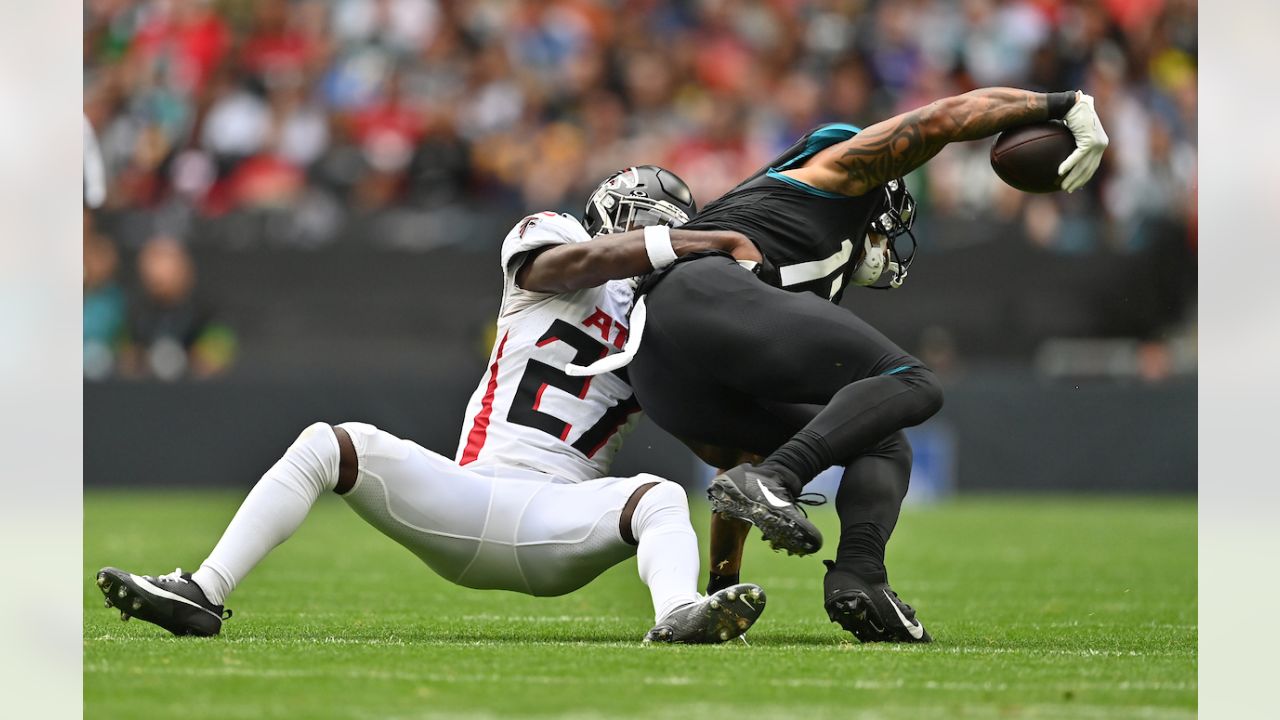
{"points": [[628, 178]]}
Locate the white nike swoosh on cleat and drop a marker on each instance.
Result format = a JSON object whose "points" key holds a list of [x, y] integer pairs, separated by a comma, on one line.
{"points": [[774, 500], [916, 630], [146, 585]]}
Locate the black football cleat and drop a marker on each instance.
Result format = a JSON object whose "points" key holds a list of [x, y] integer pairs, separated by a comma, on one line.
{"points": [[173, 601], [760, 498], [871, 611], [720, 616]]}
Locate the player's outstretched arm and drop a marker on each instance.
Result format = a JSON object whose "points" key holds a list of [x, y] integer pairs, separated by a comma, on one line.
{"points": [[895, 147], [564, 268]]}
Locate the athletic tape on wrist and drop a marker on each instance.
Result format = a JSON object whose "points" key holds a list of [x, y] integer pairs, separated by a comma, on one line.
{"points": [[657, 243], [1060, 103]]}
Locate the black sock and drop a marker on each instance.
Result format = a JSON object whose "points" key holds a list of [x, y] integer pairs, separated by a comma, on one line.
{"points": [[719, 582], [861, 551], [799, 460]]}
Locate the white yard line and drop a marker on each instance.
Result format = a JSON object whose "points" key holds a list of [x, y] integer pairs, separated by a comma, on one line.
{"points": [[636, 646], [673, 680]]}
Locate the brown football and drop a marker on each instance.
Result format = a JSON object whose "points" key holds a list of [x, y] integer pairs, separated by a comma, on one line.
{"points": [[1027, 157]]}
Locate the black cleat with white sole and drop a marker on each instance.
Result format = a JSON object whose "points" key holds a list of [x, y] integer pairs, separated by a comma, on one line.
{"points": [[760, 498], [173, 601], [720, 616], [871, 611]]}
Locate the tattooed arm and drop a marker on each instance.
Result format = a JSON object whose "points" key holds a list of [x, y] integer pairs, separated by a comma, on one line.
{"points": [[895, 147]]}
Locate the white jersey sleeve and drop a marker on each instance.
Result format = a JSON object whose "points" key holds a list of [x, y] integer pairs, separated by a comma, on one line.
{"points": [[533, 232]]}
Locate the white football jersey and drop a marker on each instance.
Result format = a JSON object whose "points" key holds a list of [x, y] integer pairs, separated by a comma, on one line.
{"points": [[526, 411]]}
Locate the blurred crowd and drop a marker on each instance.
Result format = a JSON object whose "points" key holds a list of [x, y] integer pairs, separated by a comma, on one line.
{"points": [[159, 330], [316, 114], [334, 107]]}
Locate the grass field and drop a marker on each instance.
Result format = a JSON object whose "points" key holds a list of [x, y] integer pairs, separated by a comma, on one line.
{"points": [[1041, 608]]}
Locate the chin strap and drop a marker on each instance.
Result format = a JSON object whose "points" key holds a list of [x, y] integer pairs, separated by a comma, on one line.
{"points": [[609, 363]]}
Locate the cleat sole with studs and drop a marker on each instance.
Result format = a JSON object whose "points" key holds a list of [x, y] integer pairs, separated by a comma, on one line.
{"points": [[119, 592], [855, 613], [780, 531], [715, 619]]}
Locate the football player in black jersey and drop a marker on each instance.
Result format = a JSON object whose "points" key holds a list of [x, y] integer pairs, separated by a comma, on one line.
{"points": [[775, 368]]}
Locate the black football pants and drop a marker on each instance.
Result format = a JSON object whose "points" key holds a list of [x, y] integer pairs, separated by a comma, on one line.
{"points": [[730, 361]]}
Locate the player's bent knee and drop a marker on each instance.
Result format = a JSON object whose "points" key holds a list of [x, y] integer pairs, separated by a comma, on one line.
{"points": [[312, 460], [928, 391], [655, 502], [310, 432], [348, 458], [667, 494], [358, 431], [665, 498], [316, 442], [333, 447]]}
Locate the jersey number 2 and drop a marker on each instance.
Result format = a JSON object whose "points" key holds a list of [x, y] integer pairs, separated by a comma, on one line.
{"points": [[538, 376]]}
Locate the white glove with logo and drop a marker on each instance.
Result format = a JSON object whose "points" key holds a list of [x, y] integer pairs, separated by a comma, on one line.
{"points": [[1091, 142]]}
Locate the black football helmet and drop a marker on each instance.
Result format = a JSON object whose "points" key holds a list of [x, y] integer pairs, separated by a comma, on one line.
{"points": [[637, 197], [894, 218]]}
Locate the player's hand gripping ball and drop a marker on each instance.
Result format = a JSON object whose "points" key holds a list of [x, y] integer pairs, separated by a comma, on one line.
{"points": [[1027, 157], [1049, 156]]}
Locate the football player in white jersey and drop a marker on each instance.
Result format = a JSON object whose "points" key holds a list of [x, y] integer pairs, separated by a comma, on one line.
{"points": [[525, 506]]}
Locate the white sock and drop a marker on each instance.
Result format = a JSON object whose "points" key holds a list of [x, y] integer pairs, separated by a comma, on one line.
{"points": [[273, 511], [668, 548]]}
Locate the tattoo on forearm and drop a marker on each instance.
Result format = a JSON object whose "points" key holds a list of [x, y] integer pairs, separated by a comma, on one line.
{"points": [[894, 148]]}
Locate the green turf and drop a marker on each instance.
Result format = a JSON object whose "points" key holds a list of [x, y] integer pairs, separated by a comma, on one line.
{"points": [[1041, 608]]}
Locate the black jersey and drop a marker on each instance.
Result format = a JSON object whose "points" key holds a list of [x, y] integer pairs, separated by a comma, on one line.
{"points": [[812, 236]]}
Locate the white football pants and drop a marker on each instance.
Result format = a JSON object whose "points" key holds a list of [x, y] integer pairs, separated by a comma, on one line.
{"points": [[488, 528]]}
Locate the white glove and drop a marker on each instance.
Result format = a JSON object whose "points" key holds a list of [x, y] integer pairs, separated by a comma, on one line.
{"points": [[1091, 142]]}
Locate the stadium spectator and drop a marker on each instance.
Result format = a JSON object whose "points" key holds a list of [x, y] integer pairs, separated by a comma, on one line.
{"points": [[707, 87], [104, 303], [171, 334]]}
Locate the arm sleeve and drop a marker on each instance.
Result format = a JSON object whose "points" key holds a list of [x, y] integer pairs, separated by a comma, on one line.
{"points": [[531, 233]]}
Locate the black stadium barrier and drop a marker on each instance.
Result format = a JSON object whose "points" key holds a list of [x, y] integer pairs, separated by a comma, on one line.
{"points": [[1011, 431]]}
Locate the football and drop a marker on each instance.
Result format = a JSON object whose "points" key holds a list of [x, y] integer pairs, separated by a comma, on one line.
{"points": [[1027, 157]]}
